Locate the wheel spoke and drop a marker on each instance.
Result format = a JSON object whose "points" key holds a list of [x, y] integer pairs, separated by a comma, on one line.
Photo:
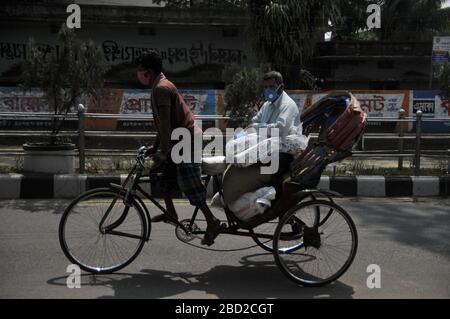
{"points": [[329, 250], [83, 242]]}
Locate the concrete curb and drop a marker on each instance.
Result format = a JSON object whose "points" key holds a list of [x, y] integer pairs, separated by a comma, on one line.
{"points": [[14, 186]]}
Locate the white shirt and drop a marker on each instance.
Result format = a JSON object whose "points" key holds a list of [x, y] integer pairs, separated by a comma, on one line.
{"points": [[282, 114]]}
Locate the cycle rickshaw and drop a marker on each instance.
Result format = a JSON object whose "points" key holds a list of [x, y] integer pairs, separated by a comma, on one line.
{"points": [[313, 243]]}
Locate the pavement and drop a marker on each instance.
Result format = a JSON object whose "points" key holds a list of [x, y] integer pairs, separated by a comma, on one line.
{"points": [[29, 186], [409, 239]]}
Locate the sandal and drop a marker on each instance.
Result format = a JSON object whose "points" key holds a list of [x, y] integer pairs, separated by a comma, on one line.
{"points": [[212, 233]]}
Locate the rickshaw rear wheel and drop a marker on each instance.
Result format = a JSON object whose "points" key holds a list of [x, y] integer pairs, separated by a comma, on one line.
{"points": [[326, 243]]}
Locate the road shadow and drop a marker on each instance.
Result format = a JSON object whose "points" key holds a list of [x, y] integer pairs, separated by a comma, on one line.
{"points": [[254, 278]]}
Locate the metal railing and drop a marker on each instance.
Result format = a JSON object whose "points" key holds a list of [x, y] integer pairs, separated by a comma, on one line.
{"points": [[81, 132]]}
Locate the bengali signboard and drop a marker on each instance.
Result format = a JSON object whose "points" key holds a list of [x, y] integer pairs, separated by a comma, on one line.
{"points": [[383, 103], [440, 54], [16, 100], [432, 107], [112, 101], [138, 101], [424, 101], [377, 104]]}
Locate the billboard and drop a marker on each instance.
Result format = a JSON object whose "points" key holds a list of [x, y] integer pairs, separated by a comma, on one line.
{"points": [[440, 54], [377, 104], [112, 101], [432, 107]]}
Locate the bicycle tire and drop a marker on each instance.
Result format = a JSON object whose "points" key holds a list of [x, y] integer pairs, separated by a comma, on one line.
{"points": [[97, 269], [278, 253]]}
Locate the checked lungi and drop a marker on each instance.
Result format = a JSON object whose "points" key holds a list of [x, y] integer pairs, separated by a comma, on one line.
{"points": [[185, 177]]}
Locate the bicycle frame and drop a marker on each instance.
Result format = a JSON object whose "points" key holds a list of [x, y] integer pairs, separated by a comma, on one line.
{"points": [[131, 190], [286, 235]]}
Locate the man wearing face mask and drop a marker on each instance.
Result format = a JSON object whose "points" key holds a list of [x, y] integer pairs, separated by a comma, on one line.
{"points": [[278, 112], [170, 111]]}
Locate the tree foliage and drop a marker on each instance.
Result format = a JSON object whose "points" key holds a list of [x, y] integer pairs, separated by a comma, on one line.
{"points": [[351, 19], [75, 68], [243, 92], [412, 20], [285, 31]]}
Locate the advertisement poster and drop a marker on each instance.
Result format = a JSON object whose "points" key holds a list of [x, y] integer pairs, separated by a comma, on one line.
{"points": [[377, 104], [138, 102], [383, 103], [16, 100], [440, 54], [200, 102], [113, 101], [432, 107]]}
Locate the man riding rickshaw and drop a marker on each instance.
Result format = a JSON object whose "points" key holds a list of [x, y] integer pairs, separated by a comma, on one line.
{"points": [[338, 116]]}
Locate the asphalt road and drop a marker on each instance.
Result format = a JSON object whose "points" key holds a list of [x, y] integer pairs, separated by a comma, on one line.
{"points": [[409, 239]]}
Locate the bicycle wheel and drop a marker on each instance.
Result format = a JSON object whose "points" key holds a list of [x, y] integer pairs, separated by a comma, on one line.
{"points": [[328, 236], [103, 249]]}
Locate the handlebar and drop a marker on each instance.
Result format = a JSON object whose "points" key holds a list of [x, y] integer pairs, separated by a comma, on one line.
{"points": [[142, 156]]}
